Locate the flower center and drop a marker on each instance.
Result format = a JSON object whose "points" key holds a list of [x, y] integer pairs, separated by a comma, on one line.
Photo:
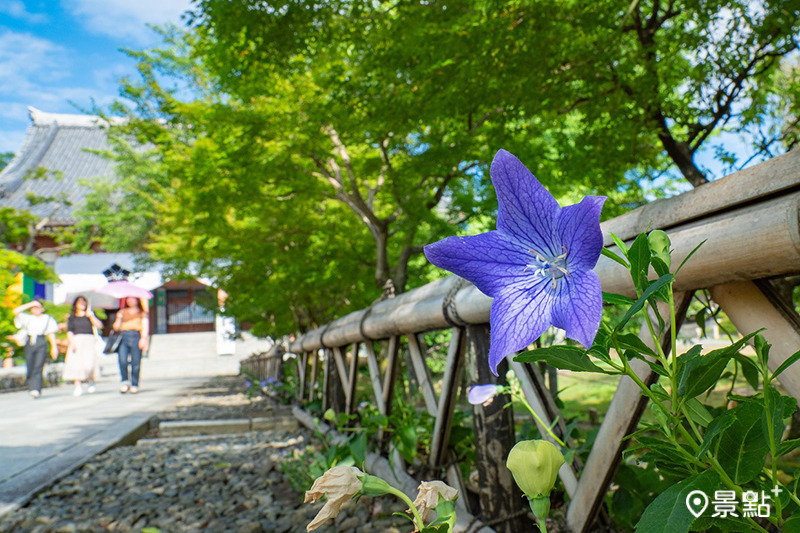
{"points": [[547, 266]]}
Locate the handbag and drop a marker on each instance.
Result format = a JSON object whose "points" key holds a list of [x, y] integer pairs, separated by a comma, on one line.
{"points": [[112, 343], [21, 337], [99, 343]]}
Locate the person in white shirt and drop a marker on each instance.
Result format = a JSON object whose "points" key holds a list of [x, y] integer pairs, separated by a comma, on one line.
{"points": [[39, 327]]}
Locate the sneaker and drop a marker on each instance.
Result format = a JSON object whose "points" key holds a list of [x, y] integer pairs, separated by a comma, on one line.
{"points": [[134, 389], [91, 389], [35, 393], [78, 391], [124, 388]]}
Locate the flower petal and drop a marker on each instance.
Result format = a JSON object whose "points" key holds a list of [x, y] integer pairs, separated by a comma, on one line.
{"points": [[479, 394], [491, 261], [578, 307], [578, 228], [518, 317], [526, 209]]}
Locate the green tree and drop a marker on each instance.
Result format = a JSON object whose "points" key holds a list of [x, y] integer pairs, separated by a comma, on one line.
{"points": [[15, 227], [613, 87], [5, 159]]}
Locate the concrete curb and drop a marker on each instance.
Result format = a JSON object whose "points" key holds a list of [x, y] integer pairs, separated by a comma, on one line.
{"points": [[192, 428]]}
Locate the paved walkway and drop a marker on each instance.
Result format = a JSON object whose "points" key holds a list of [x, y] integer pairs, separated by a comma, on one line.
{"points": [[41, 440]]}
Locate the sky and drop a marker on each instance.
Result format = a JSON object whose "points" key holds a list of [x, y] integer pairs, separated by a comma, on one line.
{"points": [[59, 54]]}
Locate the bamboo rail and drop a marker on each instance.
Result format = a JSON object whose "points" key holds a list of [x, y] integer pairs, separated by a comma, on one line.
{"points": [[751, 226]]}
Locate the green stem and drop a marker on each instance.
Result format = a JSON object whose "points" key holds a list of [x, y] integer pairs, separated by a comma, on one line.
{"points": [[539, 420], [542, 525], [772, 480], [417, 518]]}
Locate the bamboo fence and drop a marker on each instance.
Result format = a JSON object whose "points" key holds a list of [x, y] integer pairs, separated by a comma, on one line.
{"points": [[750, 222]]}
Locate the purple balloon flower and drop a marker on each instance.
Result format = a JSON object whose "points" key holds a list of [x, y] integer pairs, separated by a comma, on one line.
{"points": [[537, 265], [481, 394]]}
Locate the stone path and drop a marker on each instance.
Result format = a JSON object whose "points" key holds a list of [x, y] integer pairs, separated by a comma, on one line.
{"points": [[41, 439], [230, 483]]}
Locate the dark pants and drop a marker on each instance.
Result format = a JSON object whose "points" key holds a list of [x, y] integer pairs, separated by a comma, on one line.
{"points": [[35, 356], [130, 354]]}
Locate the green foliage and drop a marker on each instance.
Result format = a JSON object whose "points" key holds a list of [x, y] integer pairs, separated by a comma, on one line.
{"points": [[686, 443], [15, 228]]}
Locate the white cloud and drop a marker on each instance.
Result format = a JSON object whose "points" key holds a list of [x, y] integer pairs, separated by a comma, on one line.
{"points": [[16, 9], [126, 18], [37, 72]]}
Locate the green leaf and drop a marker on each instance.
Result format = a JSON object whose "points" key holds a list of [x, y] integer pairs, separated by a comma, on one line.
{"points": [[788, 446], [620, 244], [668, 513], [659, 266], [698, 412], [614, 257], [689, 354], [406, 442], [661, 416], [699, 374], [714, 430], [762, 349], [786, 364], [700, 320], [633, 342], [749, 370], [358, 447], [638, 304], [563, 357], [639, 256], [775, 405], [792, 525], [616, 299], [690, 255], [725, 525], [743, 446]]}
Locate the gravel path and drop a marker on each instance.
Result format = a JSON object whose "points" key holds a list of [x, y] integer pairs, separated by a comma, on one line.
{"points": [[220, 484]]}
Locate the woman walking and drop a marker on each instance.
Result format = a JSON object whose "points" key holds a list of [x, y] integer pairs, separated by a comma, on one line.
{"points": [[81, 363], [133, 325], [38, 327]]}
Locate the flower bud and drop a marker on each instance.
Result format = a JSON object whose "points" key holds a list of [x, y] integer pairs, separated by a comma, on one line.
{"points": [[482, 394], [534, 465], [659, 245], [373, 486]]}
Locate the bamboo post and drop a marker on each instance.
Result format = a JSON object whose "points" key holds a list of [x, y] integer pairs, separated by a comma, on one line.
{"points": [[375, 377], [350, 393], [313, 383], [752, 306], [500, 498], [326, 379], [447, 398], [302, 366]]}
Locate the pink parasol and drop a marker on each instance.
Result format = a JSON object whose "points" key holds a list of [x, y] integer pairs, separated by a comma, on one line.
{"points": [[123, 289]]}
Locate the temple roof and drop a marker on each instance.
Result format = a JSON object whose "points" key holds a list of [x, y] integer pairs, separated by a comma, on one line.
{"points": [[61, 146]]}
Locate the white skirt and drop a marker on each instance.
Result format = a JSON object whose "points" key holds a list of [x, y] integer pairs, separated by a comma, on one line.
{"points": [[81, 363]]}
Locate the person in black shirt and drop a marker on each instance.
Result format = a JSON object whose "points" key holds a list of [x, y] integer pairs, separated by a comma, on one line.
{"points": [[81, 363]]}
